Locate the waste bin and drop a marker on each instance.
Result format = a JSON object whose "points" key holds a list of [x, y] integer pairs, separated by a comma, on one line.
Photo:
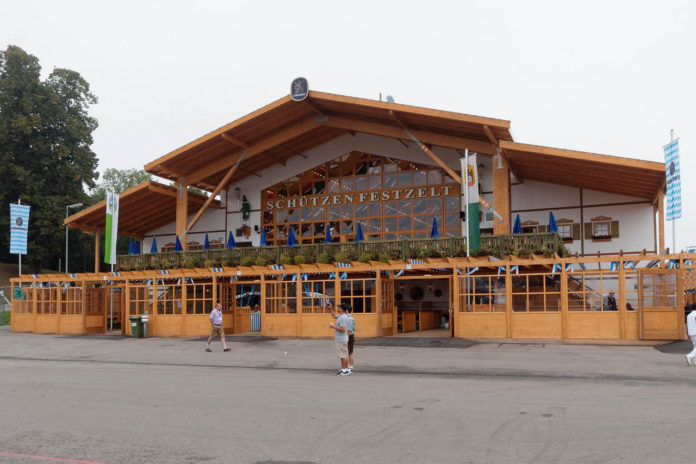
{"points": [[136, 326], [145, 319]]}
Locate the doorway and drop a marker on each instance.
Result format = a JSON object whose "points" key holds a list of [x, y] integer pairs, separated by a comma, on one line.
{"points": [[422, 306]]}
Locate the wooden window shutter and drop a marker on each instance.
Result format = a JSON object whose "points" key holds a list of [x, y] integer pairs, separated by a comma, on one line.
{"points": [[543, 228], [588, 230], [576, 232], [614, 229]]}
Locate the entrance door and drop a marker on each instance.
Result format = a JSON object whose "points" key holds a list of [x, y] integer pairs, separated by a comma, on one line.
{"points": [[387, 308], [661, 317]]}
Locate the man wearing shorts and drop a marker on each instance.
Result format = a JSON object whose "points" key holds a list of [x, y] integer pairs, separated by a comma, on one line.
{"points": [[351, 336], [341, 339], [216, 327]]}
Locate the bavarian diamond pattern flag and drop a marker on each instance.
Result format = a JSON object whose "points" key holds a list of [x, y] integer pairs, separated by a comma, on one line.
{"points": [[19, 228], [111, 233], [673, 180]]}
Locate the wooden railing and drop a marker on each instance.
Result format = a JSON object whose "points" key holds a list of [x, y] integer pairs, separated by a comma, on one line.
{"points": [[385, 249]]}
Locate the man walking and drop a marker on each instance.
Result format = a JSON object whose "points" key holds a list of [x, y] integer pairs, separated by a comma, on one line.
{"points": [[341, 339], [351, 336], [691, 331], [216, 327]]}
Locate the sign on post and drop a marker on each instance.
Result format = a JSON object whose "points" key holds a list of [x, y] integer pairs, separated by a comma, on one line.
{"points": [[673, 180], [299, 89], [19, 229]]}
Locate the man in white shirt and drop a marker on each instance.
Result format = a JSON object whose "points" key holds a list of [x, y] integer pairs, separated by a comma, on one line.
{"points": [[691, 331], [341, 339], [216, 327]]}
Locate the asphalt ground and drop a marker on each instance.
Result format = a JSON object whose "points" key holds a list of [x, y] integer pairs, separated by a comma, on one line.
{"points": [[110, 399]]}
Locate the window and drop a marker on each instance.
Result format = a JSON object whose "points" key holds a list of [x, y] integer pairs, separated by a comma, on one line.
{"points": [[140, 296], [589, 291], [482, 293], [602, 228], [281, 297], [169, 298], [568, 230], [536, 293], [317, 294], [530, 227], [360, 294], [72, 300], [199, 298]]}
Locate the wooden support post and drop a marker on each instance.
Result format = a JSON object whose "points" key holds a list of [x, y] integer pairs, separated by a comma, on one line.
{"points": [[181, 211], [661, 220], [622, 299], [298, 315], [501, 196], [84, 307], [564, 301], [456, 304], [262, 295], [183, 305], [35, 304], [380, 301], [59, 303], [97, 252], [508, 302]]}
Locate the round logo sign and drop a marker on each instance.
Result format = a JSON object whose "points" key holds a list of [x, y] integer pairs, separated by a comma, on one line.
{"points": [[19, 222], [299, 89], [672, 168]]}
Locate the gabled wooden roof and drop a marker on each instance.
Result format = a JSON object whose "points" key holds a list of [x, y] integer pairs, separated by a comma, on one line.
{"points": [[141, 209], [605, 173], [285, 128]]}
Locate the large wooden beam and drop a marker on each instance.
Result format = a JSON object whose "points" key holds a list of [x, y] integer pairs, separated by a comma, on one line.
{"points": [[501, 196], [496, 145], [277, 138], [223, 183], [388, 130], [661, 220], [430, 153], [234, 141], [181, 210], [97, 252]]}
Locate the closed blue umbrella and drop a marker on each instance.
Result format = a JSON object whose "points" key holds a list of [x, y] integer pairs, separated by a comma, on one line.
{"points": [[553, 227], [206, 242], [153, 247], [359, 237], [178, 246], [136, 247], [434, 233], [230, 241], [130, 246], [517, 228], [291, 238], [263, 241], [327, 239]]}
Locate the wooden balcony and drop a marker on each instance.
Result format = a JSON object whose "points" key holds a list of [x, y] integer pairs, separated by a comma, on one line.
{"points": [[384, 250]]}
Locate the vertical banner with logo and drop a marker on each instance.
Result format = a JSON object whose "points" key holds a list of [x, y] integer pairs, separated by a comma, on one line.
{"points": [[673, 180], [470, 177], [19, 229], [111, 233]]}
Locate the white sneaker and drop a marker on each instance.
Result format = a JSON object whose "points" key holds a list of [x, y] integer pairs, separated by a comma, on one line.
{"points": [[689, 360], [346, 372]]}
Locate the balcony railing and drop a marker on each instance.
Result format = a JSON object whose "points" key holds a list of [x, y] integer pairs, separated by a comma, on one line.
{"points": [[497, 245]]}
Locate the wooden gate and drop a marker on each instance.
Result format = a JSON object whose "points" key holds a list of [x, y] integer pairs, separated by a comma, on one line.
{"points": [[661, 306], [388, 317]]}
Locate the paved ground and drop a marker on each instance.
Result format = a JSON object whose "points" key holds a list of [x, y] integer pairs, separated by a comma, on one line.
{"points": [[120, 400]]}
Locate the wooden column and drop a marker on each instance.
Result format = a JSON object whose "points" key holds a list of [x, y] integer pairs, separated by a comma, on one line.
{"points": [[508, 301], [59, 304], [564, 301], [379, 301], [501, 195], [262, 295], [97, 251], [661, 221], [181, 211], [84, 307], [622, 299], [298, 315]]}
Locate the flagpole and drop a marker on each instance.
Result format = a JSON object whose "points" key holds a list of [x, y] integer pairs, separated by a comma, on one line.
{"points": [[19, 202], [111, 318], [465, 178], [674, 230]]}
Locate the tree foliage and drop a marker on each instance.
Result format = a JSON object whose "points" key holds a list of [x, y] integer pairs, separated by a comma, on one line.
{"points": [[45, 151], [118, 180]]}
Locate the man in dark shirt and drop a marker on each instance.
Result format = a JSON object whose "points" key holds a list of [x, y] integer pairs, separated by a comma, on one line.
{"points": [[611, 302]]}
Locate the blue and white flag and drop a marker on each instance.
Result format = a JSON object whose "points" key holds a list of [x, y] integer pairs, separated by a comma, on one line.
{"points": [[673, 180], [19, 229]]}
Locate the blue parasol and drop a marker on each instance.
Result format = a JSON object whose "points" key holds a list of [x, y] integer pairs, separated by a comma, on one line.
{"points": [[434, 233], [130, 246], [291, 238], [153, 248], [359, 237], [206, 242], [230, 241], [136, 247], [178, 246], [328, 234], [263, 241], [517, 228], [553, 227]]}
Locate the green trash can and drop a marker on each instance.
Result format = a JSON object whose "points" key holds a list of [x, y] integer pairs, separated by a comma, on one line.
{"points": [[136, 326]]}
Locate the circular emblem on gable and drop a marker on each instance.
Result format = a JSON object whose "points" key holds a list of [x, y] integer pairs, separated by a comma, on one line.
{"points": [[19, 222], [672, 168], [299, 89]]}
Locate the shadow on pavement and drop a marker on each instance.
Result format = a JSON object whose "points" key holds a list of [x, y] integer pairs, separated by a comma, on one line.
{"points": [[417, 342], [680, 347]]}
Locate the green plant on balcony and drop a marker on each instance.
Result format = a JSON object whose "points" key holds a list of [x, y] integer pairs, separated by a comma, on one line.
{"points": [[286, 259], [300, 259], [211, 263], [324, 258], [260, 261], [368, 256], [191, 263], [345, 257], [231, 260], [246, 261], [522, 252]]}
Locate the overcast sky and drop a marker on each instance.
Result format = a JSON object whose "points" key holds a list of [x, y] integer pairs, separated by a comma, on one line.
{"points": [[605, 77]]}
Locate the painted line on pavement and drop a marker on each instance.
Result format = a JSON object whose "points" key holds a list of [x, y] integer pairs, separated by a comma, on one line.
{"points": [[49, 458]]}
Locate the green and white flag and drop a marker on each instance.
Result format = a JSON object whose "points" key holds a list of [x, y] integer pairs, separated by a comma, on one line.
{"points": [[111, 228], [471, 194]]}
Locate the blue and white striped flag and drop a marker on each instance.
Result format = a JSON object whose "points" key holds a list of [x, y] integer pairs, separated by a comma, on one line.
{"points": [[673, 180], [19, 228]]}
